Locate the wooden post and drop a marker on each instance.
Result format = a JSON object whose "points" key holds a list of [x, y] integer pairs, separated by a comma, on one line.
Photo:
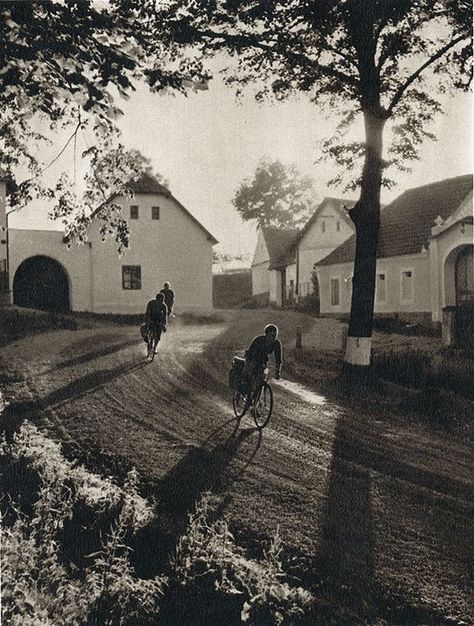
{"points": [[298, 342]]}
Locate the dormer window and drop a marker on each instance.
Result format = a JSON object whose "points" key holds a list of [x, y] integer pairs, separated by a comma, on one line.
{"points": [[134, 212], [155, 212]]}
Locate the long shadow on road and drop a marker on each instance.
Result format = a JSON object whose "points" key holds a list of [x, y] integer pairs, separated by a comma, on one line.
{"points": [[347, 547], [93, 354], [199, 471]]}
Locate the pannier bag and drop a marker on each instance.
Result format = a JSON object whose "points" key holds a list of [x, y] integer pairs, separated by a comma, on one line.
{"points": [[236, 371]]}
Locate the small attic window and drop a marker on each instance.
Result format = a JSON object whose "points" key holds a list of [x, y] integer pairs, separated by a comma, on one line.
{"points": [[338, 225], [323, 227], [155, 212], [134, 212]]}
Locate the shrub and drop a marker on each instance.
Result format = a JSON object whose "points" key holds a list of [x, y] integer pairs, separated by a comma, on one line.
{"points": [[40, 586], [211, 569]]}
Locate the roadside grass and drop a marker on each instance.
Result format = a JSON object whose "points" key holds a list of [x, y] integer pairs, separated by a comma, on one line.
{"points": [[67, 543]]}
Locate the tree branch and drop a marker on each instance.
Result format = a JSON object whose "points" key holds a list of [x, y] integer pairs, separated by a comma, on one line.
{"points": [[401, 90], [73, 136]]}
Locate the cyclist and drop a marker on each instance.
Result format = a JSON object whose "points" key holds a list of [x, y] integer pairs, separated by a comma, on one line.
{"points": [[168, 294], [256, 357], [156, 316]]}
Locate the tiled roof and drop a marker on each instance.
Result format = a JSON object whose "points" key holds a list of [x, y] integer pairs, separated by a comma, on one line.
{"points": [[278, 240], [148, 184], [405, 224]]}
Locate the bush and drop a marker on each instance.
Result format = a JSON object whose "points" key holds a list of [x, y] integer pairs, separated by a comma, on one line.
{"points": [[211, 571], [46, 581], [40, 585]]}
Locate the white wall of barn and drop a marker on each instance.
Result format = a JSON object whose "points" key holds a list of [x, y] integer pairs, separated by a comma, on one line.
{"points": [[173, 248], [76, 261]]}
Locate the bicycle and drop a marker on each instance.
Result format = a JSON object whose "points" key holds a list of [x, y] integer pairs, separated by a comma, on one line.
{"points": [[260, 402], [152, 342]]}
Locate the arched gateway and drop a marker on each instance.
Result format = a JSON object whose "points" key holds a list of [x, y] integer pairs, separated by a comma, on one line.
{"points": [[41, 283]]}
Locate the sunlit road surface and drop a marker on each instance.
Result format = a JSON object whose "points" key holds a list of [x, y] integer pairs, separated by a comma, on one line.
{"points": [[372, 501]]}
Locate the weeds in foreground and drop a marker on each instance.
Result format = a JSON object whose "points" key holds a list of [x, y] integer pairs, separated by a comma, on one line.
{"points": [[208, 561], [92, 582]]}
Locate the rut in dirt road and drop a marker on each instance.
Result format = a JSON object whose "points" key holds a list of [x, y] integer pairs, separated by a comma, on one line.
{"points": [[370, 502]]}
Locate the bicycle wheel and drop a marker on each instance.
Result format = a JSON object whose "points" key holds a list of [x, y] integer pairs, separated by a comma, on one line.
{"points": [[239, 402], [262, 406], [152, 343]]}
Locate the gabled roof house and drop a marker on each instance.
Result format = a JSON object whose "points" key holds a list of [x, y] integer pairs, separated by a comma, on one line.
{"points": [[424, 255], [167, 243], [272, 243], [284, 259]]}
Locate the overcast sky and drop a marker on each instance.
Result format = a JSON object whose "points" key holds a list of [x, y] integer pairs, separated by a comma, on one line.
{"points": [[205, 144]]}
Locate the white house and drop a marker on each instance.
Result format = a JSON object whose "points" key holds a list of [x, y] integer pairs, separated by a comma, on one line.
{"points": [[167, 243], [327, 228], [267, 283], [3, 240], [424, 260]]}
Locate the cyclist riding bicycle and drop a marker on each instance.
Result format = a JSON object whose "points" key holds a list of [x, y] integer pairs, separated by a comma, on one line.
{"points": [[168, 295], [156, 316], [257, 354]]}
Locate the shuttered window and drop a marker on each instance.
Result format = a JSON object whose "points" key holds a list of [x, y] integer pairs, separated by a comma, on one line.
{"points": [[131, 277]]}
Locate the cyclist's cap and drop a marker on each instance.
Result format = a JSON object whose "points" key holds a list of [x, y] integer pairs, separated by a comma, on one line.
{"points": [[160, 295], [271, 328]]}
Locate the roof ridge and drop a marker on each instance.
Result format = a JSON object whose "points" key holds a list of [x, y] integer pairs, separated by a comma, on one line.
{"points": [[437, 182]]}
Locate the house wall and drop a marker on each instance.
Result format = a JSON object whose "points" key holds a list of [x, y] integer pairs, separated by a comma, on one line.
{"points": [[173, 248], [76, 261], [260, 264], [3, 221], [419, 303], [4, 290], [275, 287], [290, 276], [316, 244], [446, 243]]}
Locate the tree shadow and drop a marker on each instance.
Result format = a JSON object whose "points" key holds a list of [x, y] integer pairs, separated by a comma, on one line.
{"points": [[87, 384], [94, 354], [199, 471], [15, 413], [346, 553]]}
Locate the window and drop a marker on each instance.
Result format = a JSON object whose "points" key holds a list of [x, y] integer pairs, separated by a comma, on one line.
{"points": [[338, 225], [323, 227], [131, 277], [155, 212], [335, 298], [381, 288], [134, 212], [406, 287]]}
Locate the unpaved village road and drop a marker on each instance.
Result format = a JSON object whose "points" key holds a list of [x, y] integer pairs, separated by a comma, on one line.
{"points": [[382, 504]]}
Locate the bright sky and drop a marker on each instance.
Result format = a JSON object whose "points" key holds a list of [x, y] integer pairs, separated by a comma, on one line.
{"points": [[205, 144]]}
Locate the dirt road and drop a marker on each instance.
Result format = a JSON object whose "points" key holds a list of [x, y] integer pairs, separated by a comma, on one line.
{"points": [[380, 505]]}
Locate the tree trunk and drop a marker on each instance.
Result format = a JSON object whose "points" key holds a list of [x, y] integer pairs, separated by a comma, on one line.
{"points": [[366, 218]]}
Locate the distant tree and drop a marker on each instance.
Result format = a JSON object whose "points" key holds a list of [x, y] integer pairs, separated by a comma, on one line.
{"points": [[356, 57], [278, 195], [63, 62]]}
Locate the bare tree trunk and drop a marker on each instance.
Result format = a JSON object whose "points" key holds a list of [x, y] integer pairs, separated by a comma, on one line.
{"points": [[366, 218]]}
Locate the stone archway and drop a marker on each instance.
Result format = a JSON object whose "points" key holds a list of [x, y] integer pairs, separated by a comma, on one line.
{"points": [[459, 293], [41, 283], [464, 284]]}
